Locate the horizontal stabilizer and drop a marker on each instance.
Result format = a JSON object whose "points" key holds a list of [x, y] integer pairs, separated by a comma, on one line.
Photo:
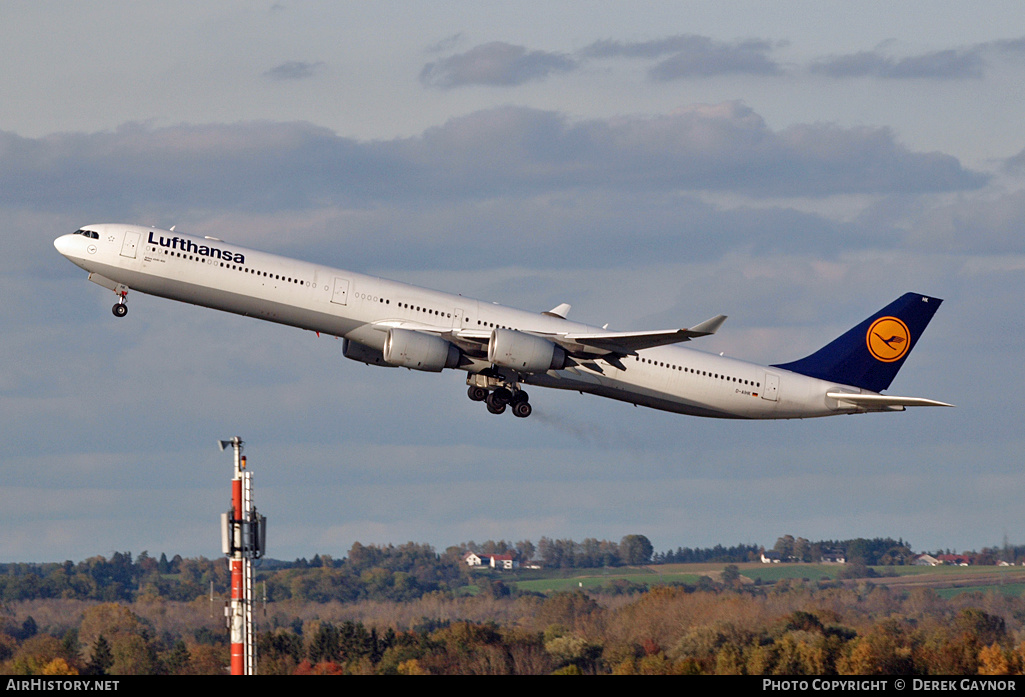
{"points": [[881, 400]]}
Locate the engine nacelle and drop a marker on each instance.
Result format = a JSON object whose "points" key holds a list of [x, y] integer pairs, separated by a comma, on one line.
{"points": [[364, 354], [524, 352], [419, 351]]}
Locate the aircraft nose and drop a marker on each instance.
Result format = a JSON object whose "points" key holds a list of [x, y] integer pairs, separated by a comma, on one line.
{"points": [[63, 244]]}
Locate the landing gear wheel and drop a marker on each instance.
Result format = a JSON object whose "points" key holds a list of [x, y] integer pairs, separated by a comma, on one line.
{"points": [[119, 310], [521, 409], [519, 396], [477, 394], [495, 404], [503, 395]]}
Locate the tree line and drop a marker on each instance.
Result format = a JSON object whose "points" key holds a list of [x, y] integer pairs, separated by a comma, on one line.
{"points": [[724, 627], [406, 571]]}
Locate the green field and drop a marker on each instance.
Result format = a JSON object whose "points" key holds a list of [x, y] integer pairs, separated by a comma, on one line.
{"points": [[676, 573], [1010, 590], [948, 581]]}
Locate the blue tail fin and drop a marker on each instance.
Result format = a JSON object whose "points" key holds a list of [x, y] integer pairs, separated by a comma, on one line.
{"points": [[870, 355]]}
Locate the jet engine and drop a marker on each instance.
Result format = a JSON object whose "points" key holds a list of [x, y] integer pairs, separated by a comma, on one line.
{"points": [[419, 351], [523, 352], [364, 354]]}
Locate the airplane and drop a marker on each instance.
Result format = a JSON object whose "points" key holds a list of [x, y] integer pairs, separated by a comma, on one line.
{"points": [[393, 324]]}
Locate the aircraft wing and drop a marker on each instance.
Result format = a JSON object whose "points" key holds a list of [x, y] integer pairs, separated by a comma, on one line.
{"points": [[579, 344], [882, 401], [385, 325], [473, 341], [628, 343]]}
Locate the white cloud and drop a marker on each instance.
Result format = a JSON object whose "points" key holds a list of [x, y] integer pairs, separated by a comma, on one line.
{"points": [[294, 70], [796, 211], [690, 55], [261, 166], [496, 63]]}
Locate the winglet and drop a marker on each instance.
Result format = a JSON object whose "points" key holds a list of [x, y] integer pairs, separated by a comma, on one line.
{"points": [[709, 326], [559, 311]]}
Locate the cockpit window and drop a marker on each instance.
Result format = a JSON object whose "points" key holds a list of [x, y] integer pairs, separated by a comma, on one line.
{"points": [[91, 234]]}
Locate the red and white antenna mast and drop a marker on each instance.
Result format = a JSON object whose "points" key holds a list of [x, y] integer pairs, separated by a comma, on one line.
{"points": [[243, 539]]}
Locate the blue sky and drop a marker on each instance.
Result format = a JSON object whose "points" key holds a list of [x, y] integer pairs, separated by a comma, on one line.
{"points": [[793, 165]]}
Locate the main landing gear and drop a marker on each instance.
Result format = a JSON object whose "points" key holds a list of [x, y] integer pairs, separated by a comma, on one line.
{"points": [[500, 397], [121, 308]]}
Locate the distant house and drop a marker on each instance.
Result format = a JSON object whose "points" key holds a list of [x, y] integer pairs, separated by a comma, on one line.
{"points": [[502, 561], [955, 559], [926, 560], [771, 557], [834, 556]]}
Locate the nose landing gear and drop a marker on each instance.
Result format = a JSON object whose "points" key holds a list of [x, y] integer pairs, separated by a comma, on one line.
{"points": [[120, 290], [121, 308]]}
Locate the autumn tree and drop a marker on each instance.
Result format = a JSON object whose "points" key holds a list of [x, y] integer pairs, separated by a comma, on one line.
{"points": [[102, 659], [635, 549]]}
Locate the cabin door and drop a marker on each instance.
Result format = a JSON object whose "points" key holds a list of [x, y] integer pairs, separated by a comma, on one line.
{"points": [[341, 292], [130, 245]]}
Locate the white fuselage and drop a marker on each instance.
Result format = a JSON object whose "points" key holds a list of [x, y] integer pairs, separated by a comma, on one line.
{"points": [[223, 276]]}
